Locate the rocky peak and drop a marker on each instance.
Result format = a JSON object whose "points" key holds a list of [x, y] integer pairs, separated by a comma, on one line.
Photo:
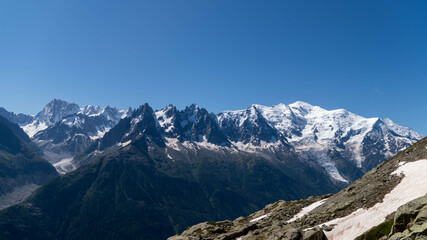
{"points": [[248, 126], [142, 125], [55, 110], [191, 124]]}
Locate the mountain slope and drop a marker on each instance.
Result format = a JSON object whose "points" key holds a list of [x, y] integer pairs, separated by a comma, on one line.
{"points": [[364, 205], [135, 190], [21, 169]]}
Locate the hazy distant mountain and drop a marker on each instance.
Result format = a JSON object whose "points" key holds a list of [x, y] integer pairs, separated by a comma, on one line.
{"points": [[20, 119]]}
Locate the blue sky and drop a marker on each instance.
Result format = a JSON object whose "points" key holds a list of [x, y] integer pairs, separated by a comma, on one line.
{"points": [[369, 57]]}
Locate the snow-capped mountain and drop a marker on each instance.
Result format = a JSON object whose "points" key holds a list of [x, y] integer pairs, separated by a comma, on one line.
{"points": [[63, 129], [52, 113], [192, 124], [342, 144], [316, 134], [174, 168]]}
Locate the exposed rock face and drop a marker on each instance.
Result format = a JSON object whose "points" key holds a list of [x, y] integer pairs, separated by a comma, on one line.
{"points": [[410, 221], [270, 223]]}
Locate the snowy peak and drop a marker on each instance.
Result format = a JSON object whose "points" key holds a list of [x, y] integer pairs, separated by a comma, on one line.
{"points": [[166, 118], [401, 130], [52, 113], [62, 112], [56, 110], [193, 124], [248, 126], [64, 129], [320, 135], [141, 126], [302, 106], [110, 113]]}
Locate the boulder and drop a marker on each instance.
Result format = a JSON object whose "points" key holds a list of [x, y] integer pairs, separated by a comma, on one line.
{"points": [[407, 214], [314, 234]]}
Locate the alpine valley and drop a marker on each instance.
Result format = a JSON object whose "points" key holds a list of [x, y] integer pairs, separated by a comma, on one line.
{"points": [[145, 174]]}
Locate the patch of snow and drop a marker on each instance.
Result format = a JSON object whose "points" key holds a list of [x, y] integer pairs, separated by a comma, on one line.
{"points": [[259, 218], [173, 143], [250, 147], [124, 144], [33, 128], [164, 121], [413, 185], [65, 165], [101, 131], [307, 210]]}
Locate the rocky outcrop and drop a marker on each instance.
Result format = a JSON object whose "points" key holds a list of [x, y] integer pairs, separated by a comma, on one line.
{"points": [[270, 223], [410, 221]]}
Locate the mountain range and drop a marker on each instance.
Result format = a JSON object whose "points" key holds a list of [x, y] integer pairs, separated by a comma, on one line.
{"points": [[341, 143], [153, 173], [389, 202]]}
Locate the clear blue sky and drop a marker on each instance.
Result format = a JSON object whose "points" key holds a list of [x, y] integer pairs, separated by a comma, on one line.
{"points": [[369, 57]]}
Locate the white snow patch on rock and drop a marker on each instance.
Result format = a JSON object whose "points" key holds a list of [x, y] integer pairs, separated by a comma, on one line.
{"points": [[65, 165], [124, 144], [401, 163], [307, 209], [33, 128], [412, 186], [259, 218]]}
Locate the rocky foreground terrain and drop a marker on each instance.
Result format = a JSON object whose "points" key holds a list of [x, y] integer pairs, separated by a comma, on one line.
{"points": [[389, 202]]}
